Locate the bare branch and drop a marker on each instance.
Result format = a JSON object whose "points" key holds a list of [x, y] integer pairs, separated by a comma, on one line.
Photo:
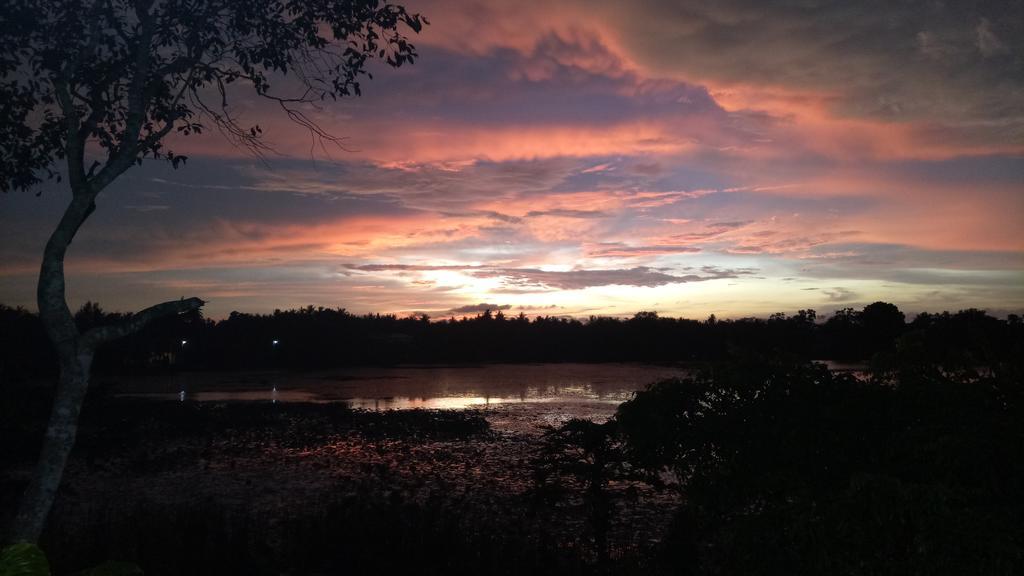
{"points": [[136, 322], [232, 131]]}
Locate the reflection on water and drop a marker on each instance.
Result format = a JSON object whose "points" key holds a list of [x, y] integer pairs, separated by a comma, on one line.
{"points": [[852, 367], [455, 402], [404, 388], [271, 395]]}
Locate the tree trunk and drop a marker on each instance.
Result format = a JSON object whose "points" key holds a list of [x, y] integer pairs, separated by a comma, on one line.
{"points": [[75, 359], [74, 352], [60, 438]]}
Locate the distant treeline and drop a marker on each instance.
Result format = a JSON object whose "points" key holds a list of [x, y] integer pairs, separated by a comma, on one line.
{"points": [[310, 338]]}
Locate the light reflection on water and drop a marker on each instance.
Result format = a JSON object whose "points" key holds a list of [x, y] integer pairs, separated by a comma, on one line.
{"points": [[451, 402], [412, 387], [390, 403]]}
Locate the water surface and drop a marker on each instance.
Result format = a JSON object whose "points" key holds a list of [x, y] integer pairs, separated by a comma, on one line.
{"points": [[400, 388]]}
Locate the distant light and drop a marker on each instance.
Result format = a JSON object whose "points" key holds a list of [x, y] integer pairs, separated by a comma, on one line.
{"points": [[183, 342], [275, 342]]}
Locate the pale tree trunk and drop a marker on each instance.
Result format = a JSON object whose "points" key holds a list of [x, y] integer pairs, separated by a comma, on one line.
{"points": [[60, 438], [75, 352], [74, 362], [74, 349]]}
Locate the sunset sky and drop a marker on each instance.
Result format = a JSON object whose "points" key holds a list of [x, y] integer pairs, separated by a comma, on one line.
{"points": [[578, 158]]}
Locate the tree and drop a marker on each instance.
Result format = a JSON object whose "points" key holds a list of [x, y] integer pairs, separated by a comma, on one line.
{"points": [[789, 468], [882, 323], [589, 454], [98, 86]]}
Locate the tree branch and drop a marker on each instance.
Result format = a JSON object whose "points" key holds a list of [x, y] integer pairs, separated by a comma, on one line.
{"points": [[123, 156], [73, 142], [136, 322]]}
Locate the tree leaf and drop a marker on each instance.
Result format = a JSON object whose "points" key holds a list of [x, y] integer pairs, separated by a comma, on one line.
{"points": [[23, 559]]}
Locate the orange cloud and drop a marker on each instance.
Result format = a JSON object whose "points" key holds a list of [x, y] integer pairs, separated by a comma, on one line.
{"points": [[927, 214], [228, 244], [443, 143]]}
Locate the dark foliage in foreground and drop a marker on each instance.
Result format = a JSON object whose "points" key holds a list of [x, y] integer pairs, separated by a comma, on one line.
{"points": [[584, 457], [367, 533], [366, 525], [792, 469], [781, 467], [312, 338]]}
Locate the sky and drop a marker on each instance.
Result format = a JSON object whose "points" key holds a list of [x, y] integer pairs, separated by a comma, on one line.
{"points": [[581, 158]]}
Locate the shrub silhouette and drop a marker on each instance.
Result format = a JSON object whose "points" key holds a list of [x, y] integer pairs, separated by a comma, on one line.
{"points": [[586, 456], [789, 468]]}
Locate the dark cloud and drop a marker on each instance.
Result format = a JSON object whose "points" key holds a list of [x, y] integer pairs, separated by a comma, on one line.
{"points": [[840, 294], [526, 280], [561, 80], [406, 267], [420, 186], [911, 265], [478, 308], [622, 250], [953, 63], [647, 168], [710, 231], [579, 279], [548, 307], [146, 207], [910, 259], [502, 217], [791, 244], [564, 213]]}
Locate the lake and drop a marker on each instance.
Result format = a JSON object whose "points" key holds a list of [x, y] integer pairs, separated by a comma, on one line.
{"points": [[407, 387]]}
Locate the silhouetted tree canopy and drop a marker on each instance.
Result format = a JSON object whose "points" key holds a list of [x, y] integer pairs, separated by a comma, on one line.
{"points": [[309, 338], [115, 77], [101, 85]]}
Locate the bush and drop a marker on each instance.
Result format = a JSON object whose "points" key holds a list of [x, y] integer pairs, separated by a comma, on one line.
{"points": [[789, 468]]}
